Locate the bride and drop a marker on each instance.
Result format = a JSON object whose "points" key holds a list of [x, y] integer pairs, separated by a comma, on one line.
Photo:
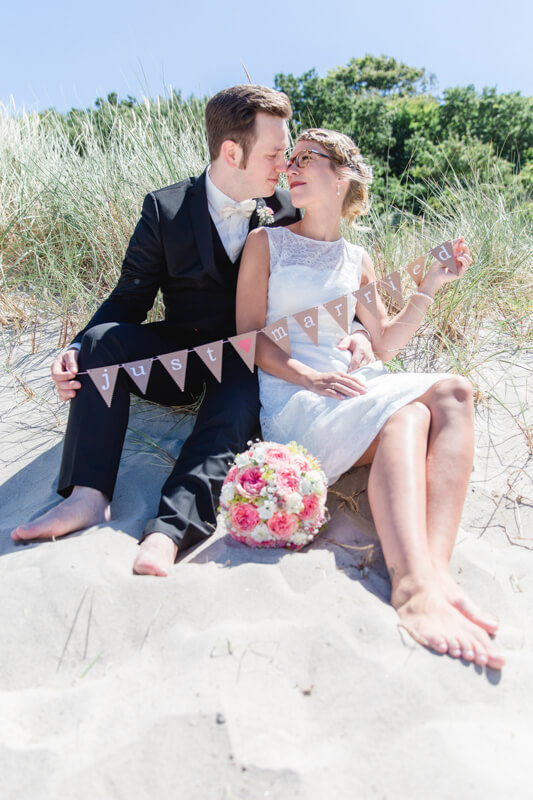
{"points": [[416, 430]]}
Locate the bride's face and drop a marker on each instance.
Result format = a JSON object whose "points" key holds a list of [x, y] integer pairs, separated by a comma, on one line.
{"points": [[310, 174]]}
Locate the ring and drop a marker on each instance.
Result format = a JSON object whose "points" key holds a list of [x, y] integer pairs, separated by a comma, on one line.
{"points": [[333, 385]]}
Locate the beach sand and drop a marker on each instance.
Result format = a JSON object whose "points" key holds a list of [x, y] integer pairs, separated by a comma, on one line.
{"points": [[251, 673]]}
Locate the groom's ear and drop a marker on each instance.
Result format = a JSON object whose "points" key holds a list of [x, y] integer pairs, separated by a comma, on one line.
{"points": [[231, 153]]}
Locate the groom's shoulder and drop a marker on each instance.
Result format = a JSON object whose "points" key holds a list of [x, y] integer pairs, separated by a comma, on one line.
{"points": [[284, 211], [171, 197]]}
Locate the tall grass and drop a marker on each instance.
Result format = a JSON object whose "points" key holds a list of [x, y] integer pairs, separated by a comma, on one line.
{"points": [[69, 203]]}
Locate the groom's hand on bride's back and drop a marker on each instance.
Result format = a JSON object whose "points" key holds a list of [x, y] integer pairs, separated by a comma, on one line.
{"points": [[360, 347], [64, 371]]}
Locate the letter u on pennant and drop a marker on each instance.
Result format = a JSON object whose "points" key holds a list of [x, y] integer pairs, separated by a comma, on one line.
{"points": [[104, 378], [245, 347], [278, 332], [176, 365], [139, 372]]}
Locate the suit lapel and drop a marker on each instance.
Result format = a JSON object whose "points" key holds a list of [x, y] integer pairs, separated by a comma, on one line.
{"points": [[201, 223]]}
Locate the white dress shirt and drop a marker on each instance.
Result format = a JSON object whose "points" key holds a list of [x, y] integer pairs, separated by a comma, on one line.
{"points": [[234, 229]]}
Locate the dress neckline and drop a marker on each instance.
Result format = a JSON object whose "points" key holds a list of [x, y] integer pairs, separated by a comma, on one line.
{"points": [[308, 238]]}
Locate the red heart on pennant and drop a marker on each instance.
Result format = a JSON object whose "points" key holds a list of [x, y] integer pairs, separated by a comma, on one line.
{"points": [[245, 344]]}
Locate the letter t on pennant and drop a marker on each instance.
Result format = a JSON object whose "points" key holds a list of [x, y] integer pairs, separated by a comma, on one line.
{"points": [[211, 355]]}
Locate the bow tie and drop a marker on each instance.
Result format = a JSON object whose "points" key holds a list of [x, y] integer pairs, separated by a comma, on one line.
{"points": [[244, 209]]}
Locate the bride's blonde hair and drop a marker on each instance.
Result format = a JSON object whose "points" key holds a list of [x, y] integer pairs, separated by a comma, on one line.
{"points": [[349, 164]]}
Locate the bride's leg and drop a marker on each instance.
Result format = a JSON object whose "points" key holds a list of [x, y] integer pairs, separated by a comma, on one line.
{"points": [[397, 494], [448, 468]]}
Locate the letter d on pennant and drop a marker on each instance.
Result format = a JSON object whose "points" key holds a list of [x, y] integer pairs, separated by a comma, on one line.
{"points": [[444, 254]]}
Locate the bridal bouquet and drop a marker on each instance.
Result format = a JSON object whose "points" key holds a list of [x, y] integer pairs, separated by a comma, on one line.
{"points": [[274, 495]]}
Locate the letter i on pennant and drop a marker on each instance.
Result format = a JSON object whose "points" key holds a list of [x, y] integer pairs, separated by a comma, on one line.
{"points": [[139, 372], [211, 355], [308, 320], [368, 298], [444, 254], [392, 284], [104, 378], [245, 347], [338, 309], [278, 332], [176, 365]]}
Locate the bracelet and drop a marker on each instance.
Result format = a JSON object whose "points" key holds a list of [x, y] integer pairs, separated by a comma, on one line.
{"points": [[427, 296]]}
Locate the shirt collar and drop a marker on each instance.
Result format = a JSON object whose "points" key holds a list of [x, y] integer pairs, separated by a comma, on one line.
{"points": [[215, 197]]}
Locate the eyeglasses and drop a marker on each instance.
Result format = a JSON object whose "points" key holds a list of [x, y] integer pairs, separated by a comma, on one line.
{"points": [[303, 158]]}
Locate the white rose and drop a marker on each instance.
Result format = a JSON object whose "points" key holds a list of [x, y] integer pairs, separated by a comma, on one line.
{"points": [[267, 509], [294, 503], [242, 460], [305, 486], [227, 493]]}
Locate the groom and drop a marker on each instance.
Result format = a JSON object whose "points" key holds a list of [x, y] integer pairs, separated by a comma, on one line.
{"points": [[187, 244]]}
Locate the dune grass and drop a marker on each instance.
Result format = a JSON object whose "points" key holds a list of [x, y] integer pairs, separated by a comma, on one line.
{"points": [[69, 203]]}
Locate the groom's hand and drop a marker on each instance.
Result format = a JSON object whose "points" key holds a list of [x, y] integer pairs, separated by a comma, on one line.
{"points": [[64, 371], [360, 347]]}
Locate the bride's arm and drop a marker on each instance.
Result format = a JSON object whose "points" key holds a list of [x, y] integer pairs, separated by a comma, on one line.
{"points": [[251, 308], [389, 336]]}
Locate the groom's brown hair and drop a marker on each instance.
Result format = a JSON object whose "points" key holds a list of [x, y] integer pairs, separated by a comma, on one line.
{"points": [[230, 114]]}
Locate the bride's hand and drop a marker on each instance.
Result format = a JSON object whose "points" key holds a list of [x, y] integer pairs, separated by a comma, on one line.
{"points": [[337, 384], [438, 274]]}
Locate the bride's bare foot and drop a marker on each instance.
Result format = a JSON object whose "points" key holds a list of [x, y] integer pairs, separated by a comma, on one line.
{"points": [[462, 602], [432, 621], [156, 556], [84, 507]]}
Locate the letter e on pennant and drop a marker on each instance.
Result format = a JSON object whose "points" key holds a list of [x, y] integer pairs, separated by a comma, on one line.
{"points": [[176, 365], [104, 378], [308, 320], [245, 347], [139, 372], [211, 355], [444, 254], [416, 269], [278, 332]]}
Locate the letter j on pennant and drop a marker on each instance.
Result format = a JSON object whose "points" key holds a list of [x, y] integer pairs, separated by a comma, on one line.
{"points": [[104, 378]]}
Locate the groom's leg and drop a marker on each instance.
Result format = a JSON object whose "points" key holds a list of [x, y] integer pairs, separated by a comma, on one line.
{"points": [[227, 419]]}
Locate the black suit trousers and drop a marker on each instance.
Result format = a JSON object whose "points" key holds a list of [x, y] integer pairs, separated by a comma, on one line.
{"points": [[227, 419]]}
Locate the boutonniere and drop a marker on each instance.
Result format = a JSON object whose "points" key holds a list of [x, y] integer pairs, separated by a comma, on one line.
{"points": [[265, 215]]}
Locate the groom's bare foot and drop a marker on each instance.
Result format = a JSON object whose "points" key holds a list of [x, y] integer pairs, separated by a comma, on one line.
{"points": [[156, 556], [84, 507], [427, 614]]}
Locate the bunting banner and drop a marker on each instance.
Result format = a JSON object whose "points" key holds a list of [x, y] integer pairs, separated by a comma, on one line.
{"points": [[175, 363]]}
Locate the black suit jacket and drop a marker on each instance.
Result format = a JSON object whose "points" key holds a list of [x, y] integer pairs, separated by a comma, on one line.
{"points": [[172, 249]]}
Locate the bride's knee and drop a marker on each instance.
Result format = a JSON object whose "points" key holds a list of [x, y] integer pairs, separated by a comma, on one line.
{"points": [[415, 414], [453, 392]]}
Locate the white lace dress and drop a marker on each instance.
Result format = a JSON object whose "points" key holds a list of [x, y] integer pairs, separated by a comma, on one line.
{"points": [[306, 273]]}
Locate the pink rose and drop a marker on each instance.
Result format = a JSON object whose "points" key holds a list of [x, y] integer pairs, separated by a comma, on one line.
{"points": [[231, 475], [250, 482], [283, 524], [287, 479], [277, 455], [301, 463], [244, 516], [311, 507]]}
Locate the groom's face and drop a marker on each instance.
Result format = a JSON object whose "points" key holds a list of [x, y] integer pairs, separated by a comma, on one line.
{"points": [[266, 159]]}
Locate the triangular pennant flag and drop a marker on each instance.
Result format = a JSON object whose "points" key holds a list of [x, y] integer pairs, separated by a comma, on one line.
{"points": [[244, 344], [393, 286], [416, 269], [444, 254], [367, 296], [176, 365], [278, 332], [338, 309], [139, 372], [104, 378], [211, 355], [308, 320]]}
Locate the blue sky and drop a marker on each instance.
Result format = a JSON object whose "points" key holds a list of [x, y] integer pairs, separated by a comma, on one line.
{"points": [[65, 54]]}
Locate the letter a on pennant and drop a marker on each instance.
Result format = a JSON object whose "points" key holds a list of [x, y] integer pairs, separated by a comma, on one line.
{"points": [[139, 372], [278, 332], [308, 320], [392, 284], [339, 311], [104, 378], [367, 296], [176, 365], [444, 254], [245, 347], [416, 269], [211, 355]]}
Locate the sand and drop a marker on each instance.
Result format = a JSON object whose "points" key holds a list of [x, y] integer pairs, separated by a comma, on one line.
{"points": [[251, 673]]}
